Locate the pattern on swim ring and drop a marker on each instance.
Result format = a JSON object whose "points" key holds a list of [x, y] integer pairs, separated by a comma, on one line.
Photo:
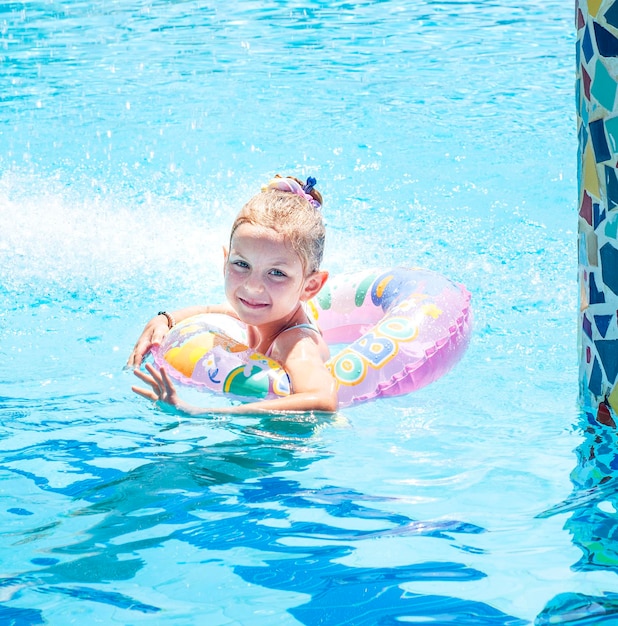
{"points": [[396, 283], [257, 379], [312, 310], [362, 289], [189, 353], [253, 385], [386, 287], [374, 349], [281, 384], [325, 297], [278, 376], [185, 357]]}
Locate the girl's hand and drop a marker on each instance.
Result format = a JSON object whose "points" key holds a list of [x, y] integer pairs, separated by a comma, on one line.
{"points": [[157, 328], [162, 388], [152, 335]]}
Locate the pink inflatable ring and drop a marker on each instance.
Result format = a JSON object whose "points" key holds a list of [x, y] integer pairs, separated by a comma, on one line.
{"points": [[403, 328]]}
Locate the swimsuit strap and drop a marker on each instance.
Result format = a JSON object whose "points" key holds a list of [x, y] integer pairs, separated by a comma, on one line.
{"points": [[308, 326]]}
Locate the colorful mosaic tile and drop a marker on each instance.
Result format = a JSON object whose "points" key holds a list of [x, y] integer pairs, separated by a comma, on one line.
{"points": [[607, 44], [602, 323], [585, 210], [587, 47], [599, 141], [611, 15], [611, 128], [597, 109], [604, 86]]}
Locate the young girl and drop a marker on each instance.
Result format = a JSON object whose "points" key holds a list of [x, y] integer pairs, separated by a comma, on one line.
{"points": [[271, 269]]}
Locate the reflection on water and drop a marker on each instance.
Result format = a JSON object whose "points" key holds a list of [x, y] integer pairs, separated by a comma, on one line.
{"points": [[593, 522], [241, 495]]}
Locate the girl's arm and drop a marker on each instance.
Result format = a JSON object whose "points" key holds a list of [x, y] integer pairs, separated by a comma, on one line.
{"points": [[314, 389], [157, 328]]}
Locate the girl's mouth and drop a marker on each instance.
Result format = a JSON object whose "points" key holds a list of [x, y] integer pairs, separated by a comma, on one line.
{"points": [[253, 305]]}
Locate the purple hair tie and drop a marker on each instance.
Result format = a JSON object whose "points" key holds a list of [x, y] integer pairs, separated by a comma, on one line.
{"points": [[291, 186]]}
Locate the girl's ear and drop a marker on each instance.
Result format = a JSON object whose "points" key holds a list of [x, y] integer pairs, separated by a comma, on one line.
{"points": [[313, 284], [225, 255]]}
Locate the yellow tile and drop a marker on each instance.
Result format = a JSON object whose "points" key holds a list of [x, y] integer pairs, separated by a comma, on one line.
{"points": [[591, 178], [593, 7], [592, 246]]}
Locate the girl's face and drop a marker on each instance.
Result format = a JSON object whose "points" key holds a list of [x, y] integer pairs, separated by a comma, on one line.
{"points": [[264, 277]]}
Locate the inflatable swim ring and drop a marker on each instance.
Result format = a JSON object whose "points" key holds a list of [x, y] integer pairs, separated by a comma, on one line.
{"points": [[403, 328]]}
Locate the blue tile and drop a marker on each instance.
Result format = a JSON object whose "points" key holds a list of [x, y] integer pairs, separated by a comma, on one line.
{"points": [[599, 141], [607, 350], [599, 216], [587, 48], [611, 15], [596, 378], [611, 187], [603, 87], [607, 44], [603, 322], [609, 266], [583, 135], [611, 129], [596, 296]]}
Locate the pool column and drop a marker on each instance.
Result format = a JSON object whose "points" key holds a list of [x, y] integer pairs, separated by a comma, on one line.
{"points": [[597, 127]]}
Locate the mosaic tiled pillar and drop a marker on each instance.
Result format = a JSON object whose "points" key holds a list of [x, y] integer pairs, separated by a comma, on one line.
{"points": [[597, 125]]}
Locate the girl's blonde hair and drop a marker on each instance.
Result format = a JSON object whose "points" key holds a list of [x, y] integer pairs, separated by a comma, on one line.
{"points": [[291, 215]]}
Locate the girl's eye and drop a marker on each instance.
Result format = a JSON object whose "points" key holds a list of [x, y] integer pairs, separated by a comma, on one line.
{"points": [[240, 264], [277, 273]]}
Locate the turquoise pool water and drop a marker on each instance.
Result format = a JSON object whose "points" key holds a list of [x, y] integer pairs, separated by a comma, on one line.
{"points": [[442, 134]]}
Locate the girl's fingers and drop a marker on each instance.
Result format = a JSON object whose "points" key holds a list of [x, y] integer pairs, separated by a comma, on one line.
{"points": [[167, 381], [154, 373], [145, 393], [156, 377], [162, 387], [154, 380], [149, 380], [141, 375]]}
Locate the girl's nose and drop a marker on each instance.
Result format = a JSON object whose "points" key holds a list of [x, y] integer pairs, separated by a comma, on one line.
{"points": [[254, 283]]}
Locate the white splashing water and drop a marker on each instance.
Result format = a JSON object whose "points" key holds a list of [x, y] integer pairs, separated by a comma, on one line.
{"points": [[54, 235]]}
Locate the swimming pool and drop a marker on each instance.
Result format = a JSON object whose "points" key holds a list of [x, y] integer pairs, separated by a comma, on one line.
{"points": [[442, 134]]}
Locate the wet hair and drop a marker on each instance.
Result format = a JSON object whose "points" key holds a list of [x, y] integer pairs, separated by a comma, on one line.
{"points": [[292, 216]]}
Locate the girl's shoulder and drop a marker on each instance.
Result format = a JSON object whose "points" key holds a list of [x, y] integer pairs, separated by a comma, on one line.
{"points": [[286, 340]]}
